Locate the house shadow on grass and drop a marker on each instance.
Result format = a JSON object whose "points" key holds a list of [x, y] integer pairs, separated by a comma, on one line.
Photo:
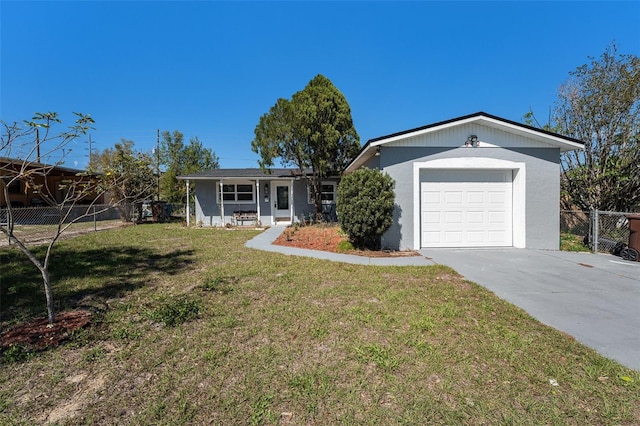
{"points": [[80, 278]]}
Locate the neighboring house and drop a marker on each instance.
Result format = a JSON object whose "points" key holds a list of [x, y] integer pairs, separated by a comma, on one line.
{"points": [[473, 181], [21, 194], [249, 196]]}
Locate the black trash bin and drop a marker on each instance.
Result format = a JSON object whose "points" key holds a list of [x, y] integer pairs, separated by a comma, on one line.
{"points": [[632, 252]]}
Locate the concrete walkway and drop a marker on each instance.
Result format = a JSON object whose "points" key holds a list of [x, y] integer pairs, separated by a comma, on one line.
{"points": [[594, 298], [265, 239]]}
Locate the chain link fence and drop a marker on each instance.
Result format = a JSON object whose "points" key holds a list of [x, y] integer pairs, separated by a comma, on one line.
{"points": [[34, 225], [39, 224], [601, 231]]}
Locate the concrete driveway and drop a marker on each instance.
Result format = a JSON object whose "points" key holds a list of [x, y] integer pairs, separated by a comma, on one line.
{"points": [[594, 298]]}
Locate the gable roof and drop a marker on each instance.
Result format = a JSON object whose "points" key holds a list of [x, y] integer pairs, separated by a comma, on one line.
{"points": [[565, 143], [251, 173]]}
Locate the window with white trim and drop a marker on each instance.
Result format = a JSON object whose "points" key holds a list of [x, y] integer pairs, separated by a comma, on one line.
{"points": [[327, 193], [237, 193]]}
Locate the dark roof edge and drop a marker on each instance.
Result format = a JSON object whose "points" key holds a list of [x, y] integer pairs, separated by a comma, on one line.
{"points": [[477, 114], [250, 173], [36, 164]]}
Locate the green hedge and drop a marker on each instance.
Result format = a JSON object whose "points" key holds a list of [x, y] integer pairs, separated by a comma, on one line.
{"points": [[365, 206]]}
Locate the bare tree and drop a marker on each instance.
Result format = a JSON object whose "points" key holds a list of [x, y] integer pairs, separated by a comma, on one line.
{"points": [[30, 152], [600, 105], [127, 173]]}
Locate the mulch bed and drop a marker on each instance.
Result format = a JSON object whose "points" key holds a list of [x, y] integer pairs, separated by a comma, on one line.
{"points": [[38, 334], [327, 238]]}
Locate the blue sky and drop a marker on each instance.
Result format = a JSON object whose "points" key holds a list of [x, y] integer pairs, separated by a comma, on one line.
{"points": [[211, 69]]}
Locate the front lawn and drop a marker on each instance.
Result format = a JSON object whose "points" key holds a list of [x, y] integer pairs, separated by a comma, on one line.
{"points": [[191, 327]]}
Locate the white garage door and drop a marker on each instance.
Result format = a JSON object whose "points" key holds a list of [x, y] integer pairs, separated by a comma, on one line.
{"points": [[466, 208]]}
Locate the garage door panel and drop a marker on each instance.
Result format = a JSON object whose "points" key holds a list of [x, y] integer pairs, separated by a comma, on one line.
{"points": [[431, 197], [496, 237], [451, 197], [475, 197], [475, 236], [453, 237], [467, 209], [431, 217], [432, 238], [475, 218], [496, 218], [452, 218], [496, 197]]}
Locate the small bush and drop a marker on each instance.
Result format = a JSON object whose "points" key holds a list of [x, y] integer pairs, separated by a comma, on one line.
{"points": [[15, 354], [365, 206], [218, 284], [345, 246], [176, 312]]}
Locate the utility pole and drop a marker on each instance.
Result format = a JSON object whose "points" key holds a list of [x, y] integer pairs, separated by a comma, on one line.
{"points": [[90, 151], [37, 145], [158, 160]]}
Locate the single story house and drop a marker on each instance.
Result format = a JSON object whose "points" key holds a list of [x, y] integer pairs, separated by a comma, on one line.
{"points": [[240, 196], [472, 181]]}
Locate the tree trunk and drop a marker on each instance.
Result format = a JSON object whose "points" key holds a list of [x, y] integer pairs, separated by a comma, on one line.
{"points": [[317, 197], [44, 271], [49, 295]]}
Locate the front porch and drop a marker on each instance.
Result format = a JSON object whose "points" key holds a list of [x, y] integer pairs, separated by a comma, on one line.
{"points": [[242, 197]]}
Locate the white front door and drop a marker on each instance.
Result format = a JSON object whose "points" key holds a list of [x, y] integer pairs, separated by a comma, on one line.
{"points": [[281, 202], [466, 208]]}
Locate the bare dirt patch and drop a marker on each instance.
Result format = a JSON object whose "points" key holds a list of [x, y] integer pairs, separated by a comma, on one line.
{"points": [[328, 238], [39, 334], [42, 234], [88, 387]]}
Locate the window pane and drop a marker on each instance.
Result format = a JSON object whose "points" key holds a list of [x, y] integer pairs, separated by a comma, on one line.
{"points": [[228, 188], [282, 193], [245, 188], [245, 197], [229, 197], [328, 194]]}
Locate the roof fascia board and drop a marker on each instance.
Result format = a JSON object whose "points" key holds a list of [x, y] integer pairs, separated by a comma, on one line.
{"points": [[487, 120], [239, 178], [365, 154], [565, 144], [423, 131], [533, 133]]}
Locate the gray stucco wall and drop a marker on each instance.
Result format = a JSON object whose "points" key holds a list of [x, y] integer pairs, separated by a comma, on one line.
{"points": [[542, 189], [208, 210]]}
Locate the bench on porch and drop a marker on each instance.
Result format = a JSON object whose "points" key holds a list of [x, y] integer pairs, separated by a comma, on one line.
{"points": [[240, 216]]}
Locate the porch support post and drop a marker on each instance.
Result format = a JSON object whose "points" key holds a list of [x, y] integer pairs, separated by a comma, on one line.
{"points": [[221, 202], [188, 205], [291, 207], [258, 200]]}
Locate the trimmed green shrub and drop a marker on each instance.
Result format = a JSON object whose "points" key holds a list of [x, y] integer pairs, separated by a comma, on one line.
{"points": [[365, 206]]}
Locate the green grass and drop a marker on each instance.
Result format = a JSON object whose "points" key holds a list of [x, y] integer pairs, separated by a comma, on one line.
{"points": [[572, 242], [191, 327]]}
